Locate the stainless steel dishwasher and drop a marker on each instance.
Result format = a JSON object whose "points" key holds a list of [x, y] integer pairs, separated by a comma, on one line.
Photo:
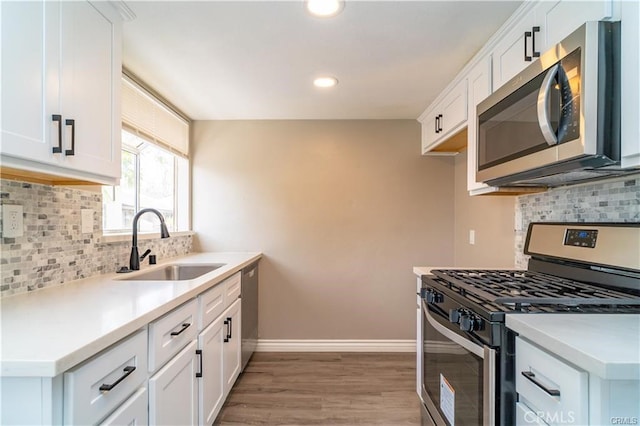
{"points": [[249, 312]]}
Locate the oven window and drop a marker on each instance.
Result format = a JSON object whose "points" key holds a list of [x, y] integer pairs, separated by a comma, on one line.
{"points": [[452, 379]]}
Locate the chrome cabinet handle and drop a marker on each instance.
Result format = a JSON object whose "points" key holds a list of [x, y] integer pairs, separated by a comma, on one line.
{"points": [[532, 378], [72, 123], [127, 371], [184, 327], [58, 118]]}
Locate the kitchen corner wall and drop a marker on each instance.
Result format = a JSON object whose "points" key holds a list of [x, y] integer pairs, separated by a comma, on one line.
{"points": [[490, 216], [616, 200], [341, 209], [53, 250]]}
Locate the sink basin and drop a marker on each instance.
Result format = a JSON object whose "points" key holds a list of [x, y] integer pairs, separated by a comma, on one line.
{"points": [[176, 272]]}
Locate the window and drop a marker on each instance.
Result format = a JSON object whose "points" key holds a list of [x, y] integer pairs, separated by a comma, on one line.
{"points": [[155, 167]]}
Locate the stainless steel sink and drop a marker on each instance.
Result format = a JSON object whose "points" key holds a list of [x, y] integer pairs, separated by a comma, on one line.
{"points": [[176, 272]]}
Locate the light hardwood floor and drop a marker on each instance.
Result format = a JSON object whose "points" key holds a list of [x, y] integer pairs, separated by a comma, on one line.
{"points": [[324, 389]]}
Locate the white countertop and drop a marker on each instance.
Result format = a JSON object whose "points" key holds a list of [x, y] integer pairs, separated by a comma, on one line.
{"points": [[45, 332], [604, 344]]}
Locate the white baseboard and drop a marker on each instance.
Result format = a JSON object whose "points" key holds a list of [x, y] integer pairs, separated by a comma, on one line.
{"points": [[304, 345]]}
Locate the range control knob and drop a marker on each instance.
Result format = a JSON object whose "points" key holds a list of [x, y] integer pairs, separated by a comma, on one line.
{"points": [[434, 297], [470, 322], [454, 315]]}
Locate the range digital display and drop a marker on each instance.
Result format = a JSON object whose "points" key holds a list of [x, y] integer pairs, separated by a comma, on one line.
{"points": [[581, 237]]}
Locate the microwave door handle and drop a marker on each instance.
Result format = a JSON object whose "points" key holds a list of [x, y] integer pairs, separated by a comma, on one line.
{"points": [[543, 112]]}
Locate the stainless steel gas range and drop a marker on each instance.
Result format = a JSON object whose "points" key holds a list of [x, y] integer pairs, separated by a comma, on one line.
{"points": [[466, 355]]}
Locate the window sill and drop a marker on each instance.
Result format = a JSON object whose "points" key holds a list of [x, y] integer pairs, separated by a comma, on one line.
{"points": [[126, 237]]}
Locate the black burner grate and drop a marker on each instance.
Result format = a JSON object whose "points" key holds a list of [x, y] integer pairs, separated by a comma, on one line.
{"points": [[523, 288]]}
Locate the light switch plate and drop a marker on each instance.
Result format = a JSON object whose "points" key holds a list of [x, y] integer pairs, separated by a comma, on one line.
{"points": [[87, 221], [12, 221]]}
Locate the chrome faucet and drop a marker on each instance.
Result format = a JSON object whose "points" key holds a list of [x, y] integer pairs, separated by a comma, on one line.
{"points": [[134, 259]]}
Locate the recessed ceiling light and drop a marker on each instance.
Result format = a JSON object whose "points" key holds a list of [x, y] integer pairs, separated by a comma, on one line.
{"points": [[325, 81], [324, 8]]}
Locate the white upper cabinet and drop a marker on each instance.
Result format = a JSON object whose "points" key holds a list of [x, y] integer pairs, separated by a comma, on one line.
{"points": [[540, 27], [61, 70], [444, 119], [479, 88], [514, 51], [630, 85]]}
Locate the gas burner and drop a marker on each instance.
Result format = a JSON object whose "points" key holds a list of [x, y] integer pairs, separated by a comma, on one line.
{"points": [[526, 288]]}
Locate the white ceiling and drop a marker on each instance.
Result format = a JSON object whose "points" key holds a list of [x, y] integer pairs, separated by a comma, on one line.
{"points": [[256, 60]]}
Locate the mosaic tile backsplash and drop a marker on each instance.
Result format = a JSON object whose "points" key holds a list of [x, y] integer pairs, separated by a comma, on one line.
{"points": [[603, 201], [53, 249]]}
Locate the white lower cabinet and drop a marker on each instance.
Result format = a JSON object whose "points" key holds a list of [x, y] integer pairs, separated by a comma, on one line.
{"points": [[176, 370], [524, 416], [556, 391], [173, 390], [98, 386], [232, 354], [219, 346], [133, 412], [211, 385]]}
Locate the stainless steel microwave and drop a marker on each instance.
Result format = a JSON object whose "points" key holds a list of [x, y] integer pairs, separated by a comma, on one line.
{"points": [[558, 121]]}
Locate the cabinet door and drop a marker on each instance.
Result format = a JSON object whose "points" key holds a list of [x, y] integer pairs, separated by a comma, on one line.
{"points": [[211, 384], [509, 53], [561, 18], [90, 81], [630, 66], [172, 391], [444, 119], [132, 412], [479, 88], [454, 109], [30, 79], [429, 129], [526, 417], [232, 354]]}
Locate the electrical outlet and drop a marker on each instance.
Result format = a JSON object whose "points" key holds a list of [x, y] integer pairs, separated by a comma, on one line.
{"points": [[12, 221], [87, 221], [472, 236]]}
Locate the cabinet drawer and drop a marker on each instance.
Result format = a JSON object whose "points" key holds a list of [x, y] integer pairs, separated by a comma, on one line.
{"points": [[211, 305], [171, 333], [524, 416], [133, 412], [550, 387], [232, 288], [123, 368]]}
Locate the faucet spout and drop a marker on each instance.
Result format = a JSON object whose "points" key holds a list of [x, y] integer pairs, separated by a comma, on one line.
{"points": [[134, 258]]}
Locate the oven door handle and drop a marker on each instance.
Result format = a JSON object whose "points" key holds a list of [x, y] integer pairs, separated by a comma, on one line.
{"points": [[468, 345]]}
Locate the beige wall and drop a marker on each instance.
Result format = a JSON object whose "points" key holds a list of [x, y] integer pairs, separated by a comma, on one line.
{"points": [[492, 218], [342, 211]]}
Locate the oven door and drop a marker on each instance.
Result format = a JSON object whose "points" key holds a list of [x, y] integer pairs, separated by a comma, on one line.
{"points": [[458, 383]]}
